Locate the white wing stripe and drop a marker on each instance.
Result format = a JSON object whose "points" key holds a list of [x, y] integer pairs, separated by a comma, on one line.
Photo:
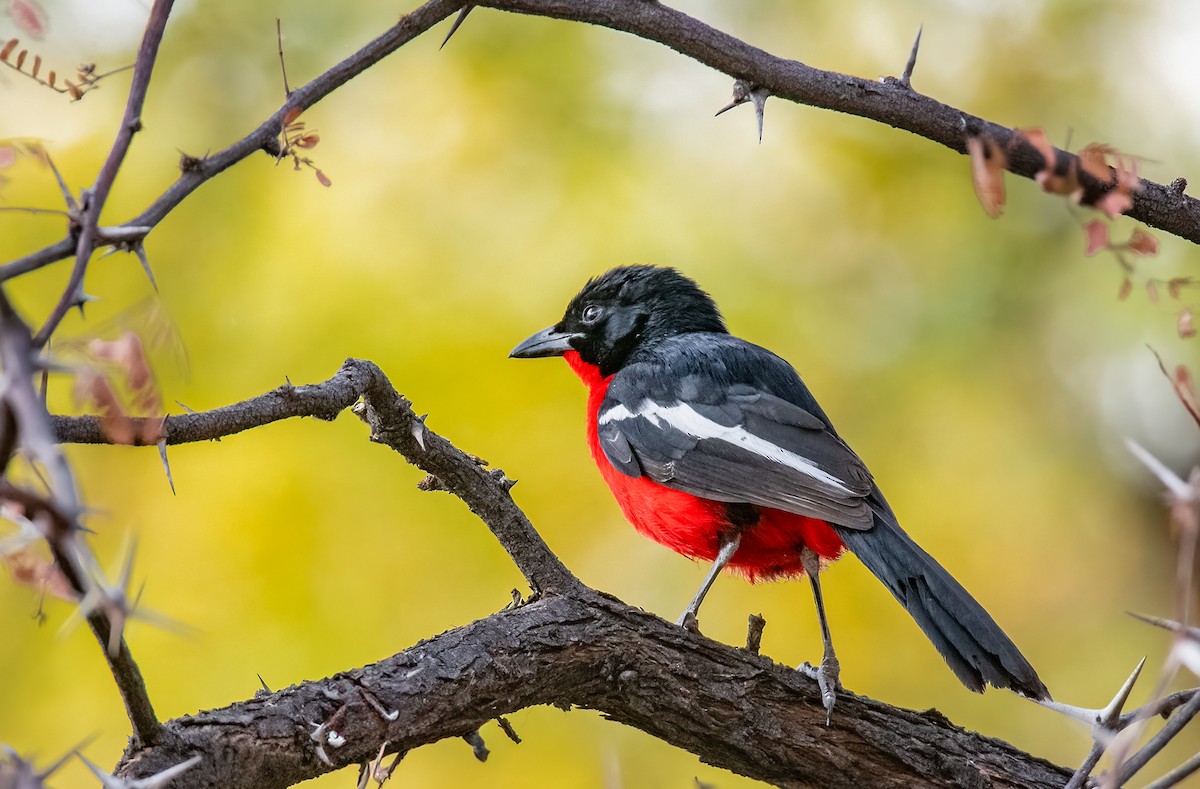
{"points": [[683, 417]]}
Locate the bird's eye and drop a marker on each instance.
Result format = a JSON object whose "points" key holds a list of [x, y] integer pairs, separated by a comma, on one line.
{"points": [[592, 313]]}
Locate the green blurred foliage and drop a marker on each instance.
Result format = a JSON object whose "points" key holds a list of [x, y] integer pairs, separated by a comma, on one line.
{"points": [[984, 369]]}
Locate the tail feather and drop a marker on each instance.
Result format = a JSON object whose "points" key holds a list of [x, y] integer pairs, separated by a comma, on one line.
{"points": [[973, 645]]}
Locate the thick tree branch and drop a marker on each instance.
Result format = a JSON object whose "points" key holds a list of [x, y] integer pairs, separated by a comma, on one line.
{"points": [[589, 651], [573, 646]]}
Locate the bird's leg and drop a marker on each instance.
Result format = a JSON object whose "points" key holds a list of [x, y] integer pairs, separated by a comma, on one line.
{"points": [[729, 546], [827, 674]]}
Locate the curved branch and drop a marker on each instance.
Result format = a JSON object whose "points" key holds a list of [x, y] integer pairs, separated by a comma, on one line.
{"points": [[265, 138], [394, 424], [594, 652], [571, 646], [887, 101]]}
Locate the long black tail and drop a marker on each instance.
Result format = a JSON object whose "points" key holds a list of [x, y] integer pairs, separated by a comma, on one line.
{"points": [[974, 646]]}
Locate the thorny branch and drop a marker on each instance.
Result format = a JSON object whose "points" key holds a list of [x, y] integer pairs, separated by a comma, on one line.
{"points": [[568, 645], [58, 513], [93, 202], [888, 101], [394, 424], [594, 680]]}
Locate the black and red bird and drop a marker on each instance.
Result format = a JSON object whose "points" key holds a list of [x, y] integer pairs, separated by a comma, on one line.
{"points": [[715, 448]]}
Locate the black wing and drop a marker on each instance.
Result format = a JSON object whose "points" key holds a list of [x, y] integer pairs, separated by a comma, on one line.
{"points": [[721, 418]]}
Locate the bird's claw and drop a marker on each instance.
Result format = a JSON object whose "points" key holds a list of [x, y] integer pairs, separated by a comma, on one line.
{"points": [[688, 621], [827, 677]]}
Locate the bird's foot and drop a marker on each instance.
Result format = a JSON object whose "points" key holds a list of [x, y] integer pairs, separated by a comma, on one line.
{"points": [[827, 677], [688, 621]]}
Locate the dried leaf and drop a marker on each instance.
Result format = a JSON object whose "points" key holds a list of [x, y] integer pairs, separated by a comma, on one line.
{"points": [[324, 179], [1097, 236], [29, 569], [94, 389], [1126, 289], [8, 48], [308, 141], [988, 163], [37, 65], [1152, 291], [1175, 285], [24, 53], [1143, 243], [1119, 199], [1184, 324], [1048, 177], [1094, 161], [29, 17], [292, 115], [1114, 203]]}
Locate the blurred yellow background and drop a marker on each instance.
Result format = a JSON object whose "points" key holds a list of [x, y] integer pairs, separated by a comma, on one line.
{"points": [[985, 370]]}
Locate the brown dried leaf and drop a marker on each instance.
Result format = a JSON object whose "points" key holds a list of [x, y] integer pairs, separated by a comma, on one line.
{"points": [[1143, 243], [1048, 177], [1184, 324], [8, 48], [29, 17], [1175, 286], [1126, 289], [308, 141], [24, 53], [1119, 199], [129, 356], [988, 163], [1097, 236], [324, 179], [1094, 161], [94, 389], [73, 89], [37, 65], [29, 569], [291, 115]]}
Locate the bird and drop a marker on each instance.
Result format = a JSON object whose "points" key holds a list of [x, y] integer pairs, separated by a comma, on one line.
{"points": [[715, 448]]}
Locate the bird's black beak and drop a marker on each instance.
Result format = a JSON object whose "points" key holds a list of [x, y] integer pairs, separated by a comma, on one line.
{"points": [[548, 342]]}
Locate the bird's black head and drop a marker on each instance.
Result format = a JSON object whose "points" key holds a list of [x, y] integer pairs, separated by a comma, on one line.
{"points": [[623, 310]]}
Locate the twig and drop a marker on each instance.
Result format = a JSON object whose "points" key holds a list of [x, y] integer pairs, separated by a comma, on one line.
{"points": [[265, 136], [393, 423], [1173, 726], [131, 123], [287, 91]]}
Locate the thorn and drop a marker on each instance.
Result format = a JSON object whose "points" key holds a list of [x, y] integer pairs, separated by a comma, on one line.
{"points": [[507, 728], [162, 453], [1180, 489], [475, 740], [418, 430], [375, 704], [458, 20], [82, 299], [156, 781], [263, 682], [906, 77], [1102, 720], [139, 249], [743, 92]]}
